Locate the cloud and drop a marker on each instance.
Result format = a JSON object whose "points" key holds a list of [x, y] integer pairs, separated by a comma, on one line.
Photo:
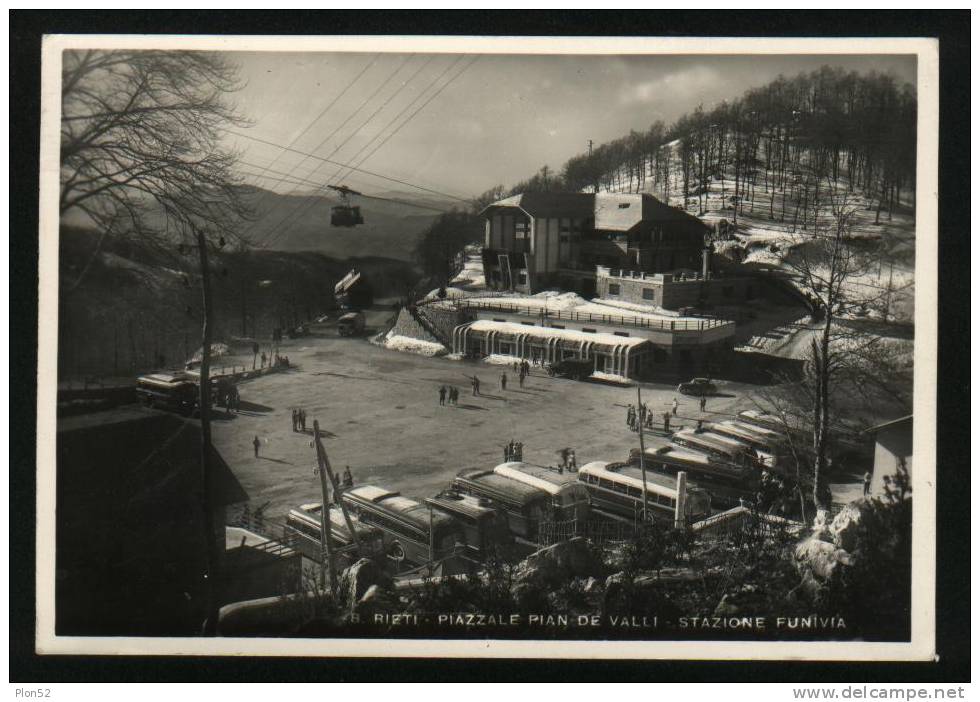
{"points": [[675, 85]]}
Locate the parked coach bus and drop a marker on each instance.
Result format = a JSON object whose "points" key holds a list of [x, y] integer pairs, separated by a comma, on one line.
{"points": [[727, 484], [303, 531], [617, 488], [717, 447], [569, 499], [524, 505], [765, 443], [405, 524], [484, 527], [175, 391], [672, 459]]}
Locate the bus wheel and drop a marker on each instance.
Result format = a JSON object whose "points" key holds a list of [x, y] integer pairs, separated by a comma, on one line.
{"points": [[396, 553]]}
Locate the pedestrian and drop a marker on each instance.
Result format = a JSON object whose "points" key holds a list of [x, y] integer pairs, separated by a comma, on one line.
{"points": [[476, 385], [666, 422], [255, 444], [673, 407], [263, 360], [630, 417], [867, 483], [700, 427], [503, 381], [572, 463], [520, 377], [704, 401], [442, 395], [295, 419], [348, 477]]}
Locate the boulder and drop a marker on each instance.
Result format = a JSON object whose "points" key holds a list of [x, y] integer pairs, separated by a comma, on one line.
{"points": [[845, 528], [820, 558], [356, 580], [561, 562], [725, 608]]}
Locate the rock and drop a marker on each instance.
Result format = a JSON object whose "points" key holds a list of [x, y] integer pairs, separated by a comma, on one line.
{"points": [[375, 600], [845, 528], [821, 530], [821, 558], [725, 608], [557, 564], [356, 580], [590, 585]]}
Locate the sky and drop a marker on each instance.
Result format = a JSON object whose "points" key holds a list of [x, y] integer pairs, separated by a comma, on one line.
{"points": [[491, 119]]}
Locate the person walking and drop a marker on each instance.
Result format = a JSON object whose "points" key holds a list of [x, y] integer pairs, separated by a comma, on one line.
{"points": [[295, 419], [503, 381], [302, 420], [673, 407], [572, 463], [867, 483], [631, 417], [476, 386], [255, 445], [704, 401], [666, 422], [520, 377], [442, 395]]}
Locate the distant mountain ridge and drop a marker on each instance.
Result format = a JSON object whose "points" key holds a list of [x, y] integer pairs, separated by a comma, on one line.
{"points": [[301, 222]]}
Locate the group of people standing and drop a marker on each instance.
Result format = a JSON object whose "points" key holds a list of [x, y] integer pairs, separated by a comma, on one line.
{"points": [[639, 417], [513, 451], [523, 370], [450, 394], [299, 419]]}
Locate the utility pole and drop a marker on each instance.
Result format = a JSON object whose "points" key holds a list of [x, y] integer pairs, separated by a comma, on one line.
{"points": [[595, 184], [204, 402], [326, 548], [643, 466]]}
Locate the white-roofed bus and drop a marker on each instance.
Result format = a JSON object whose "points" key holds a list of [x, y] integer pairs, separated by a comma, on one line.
{"points": [[727, 483], [303, 533], [720, 448], [568, 498], [765, 443], [617, 488], [414, 534], [523, 505]]}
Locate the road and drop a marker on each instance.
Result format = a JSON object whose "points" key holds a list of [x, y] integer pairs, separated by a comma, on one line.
{"points": [[379, 412]]}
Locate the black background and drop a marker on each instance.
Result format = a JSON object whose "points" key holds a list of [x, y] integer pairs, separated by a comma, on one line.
{"points": [[953, 466]]}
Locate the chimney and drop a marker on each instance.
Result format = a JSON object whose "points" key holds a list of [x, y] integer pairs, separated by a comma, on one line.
{"points": [[680, 520]]}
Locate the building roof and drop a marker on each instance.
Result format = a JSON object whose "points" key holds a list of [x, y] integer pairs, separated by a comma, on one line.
{"points": [[889, 424], [548, 204], [612, 211], [570, 335]]}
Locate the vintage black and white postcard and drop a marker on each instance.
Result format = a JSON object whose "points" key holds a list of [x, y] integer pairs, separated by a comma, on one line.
{"points": [[477, 347]]}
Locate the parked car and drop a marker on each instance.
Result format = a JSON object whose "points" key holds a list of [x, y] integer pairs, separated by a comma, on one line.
{"points": [[697, 386], [351, 324], [576, 368]]}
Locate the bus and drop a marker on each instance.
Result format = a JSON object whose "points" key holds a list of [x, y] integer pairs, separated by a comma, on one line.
{"points": [[729, 485], [763, 420], [766, 443], [174, 391], [720, 448], [672, 459], [617, 488], [485, 529], [569, 499], [414, 534], [523, 505], [303, 533]]}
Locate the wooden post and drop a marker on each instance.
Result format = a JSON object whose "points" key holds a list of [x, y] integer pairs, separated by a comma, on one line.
{"points": [[322, 457], [643, 467], [204, 401], [680, 518], [326, 548]]}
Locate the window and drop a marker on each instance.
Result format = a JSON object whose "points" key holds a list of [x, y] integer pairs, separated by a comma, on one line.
{"points": [[647, 293], [557, 326], [498, 319], [624, 205], [588, 330], [619, 333], [522, 278], [614, 288], [530, 324], [505, 349]]}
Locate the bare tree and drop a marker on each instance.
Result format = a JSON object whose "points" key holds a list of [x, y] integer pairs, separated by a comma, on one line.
{"points": [[141, 157], [141, 153]]}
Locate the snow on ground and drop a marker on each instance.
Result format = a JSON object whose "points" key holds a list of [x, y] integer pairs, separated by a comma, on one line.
{"points": [[499, 359], [553, 301], [610, 377], [397, 342], [635, 307], [472, 274], [564, 334]]}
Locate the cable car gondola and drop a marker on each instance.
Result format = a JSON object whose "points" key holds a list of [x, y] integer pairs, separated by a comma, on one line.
{"points": [[345, 214]]}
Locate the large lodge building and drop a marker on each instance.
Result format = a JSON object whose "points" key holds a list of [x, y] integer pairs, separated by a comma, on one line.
{"points": [[647, 262]]}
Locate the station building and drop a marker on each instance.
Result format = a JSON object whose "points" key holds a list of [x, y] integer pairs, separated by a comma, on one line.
{"points": [[622, 342], [535, 241]]}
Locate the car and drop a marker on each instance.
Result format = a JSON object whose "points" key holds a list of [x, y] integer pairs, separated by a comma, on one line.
{"points": [[575, 368], [697, 386]]}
